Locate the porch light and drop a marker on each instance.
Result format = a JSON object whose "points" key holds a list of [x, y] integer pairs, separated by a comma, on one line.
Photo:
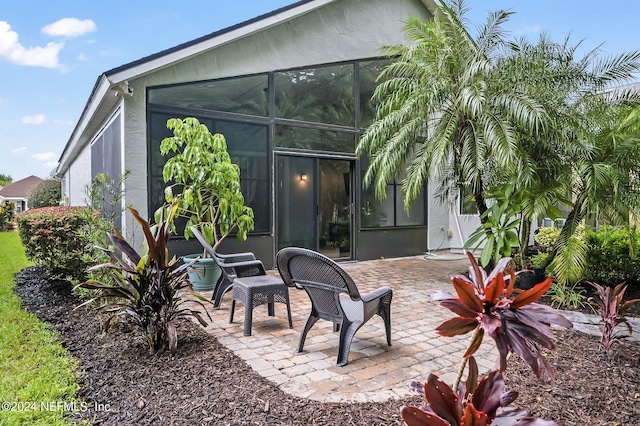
{"points": [[303, 176]]}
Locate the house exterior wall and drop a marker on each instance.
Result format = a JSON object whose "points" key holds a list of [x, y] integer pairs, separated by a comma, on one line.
{"points": [[341, 31], [78, 175]]}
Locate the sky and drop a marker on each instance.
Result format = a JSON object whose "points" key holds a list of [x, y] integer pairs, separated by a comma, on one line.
{"points": [[51, 53]]}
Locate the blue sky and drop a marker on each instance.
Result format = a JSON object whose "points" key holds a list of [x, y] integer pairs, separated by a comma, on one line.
{"points": [[51, 56]]}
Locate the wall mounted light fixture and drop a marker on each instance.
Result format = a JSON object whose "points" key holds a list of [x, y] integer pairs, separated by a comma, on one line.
{"points": [[303, 176]]}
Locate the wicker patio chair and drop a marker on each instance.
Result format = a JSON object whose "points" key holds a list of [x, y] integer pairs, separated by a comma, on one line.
{"points": [[250, 283], [232, 266], [334, 296]]}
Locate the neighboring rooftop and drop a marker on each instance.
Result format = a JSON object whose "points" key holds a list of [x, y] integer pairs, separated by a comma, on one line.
{"points": [[20, 189]]}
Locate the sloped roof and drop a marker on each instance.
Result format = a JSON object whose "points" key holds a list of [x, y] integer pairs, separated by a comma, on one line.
{"points": [[101, 101], [20, 189]]}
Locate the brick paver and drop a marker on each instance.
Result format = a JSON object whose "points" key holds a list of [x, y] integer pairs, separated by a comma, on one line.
{"points": [[376, 372]]}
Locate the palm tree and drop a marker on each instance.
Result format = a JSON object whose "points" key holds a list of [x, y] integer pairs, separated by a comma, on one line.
{"points": [[443, 113]]}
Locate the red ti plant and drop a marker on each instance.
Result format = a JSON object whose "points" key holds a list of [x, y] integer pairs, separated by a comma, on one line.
{"points": [[490, 304], [475, 404], [609, 304]]}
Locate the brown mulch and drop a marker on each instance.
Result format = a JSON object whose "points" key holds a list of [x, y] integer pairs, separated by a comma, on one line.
{"points": [[206, 384]]}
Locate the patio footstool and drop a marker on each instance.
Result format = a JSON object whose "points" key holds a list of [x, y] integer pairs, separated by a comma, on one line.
{"points": [[256, 291]]}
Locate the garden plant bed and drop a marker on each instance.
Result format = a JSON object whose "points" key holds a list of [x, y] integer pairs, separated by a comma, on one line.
{"points": [[205, 383]]}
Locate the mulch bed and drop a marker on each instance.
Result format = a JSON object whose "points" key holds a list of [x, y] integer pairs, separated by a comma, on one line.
{"points": [[206, 384]]}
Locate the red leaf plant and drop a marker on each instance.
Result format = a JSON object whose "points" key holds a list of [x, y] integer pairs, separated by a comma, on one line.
{"points": [[609, 304], [490, 304], [475, 404]]}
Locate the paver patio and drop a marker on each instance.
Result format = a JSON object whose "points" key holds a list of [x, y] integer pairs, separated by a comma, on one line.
{"points": [[375, 372]]}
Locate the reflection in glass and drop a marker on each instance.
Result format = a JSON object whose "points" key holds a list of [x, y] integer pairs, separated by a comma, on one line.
{"points": [[312, 139], [334, 214], [296, 207], [369, 72], [321, 95], [243, 95]]}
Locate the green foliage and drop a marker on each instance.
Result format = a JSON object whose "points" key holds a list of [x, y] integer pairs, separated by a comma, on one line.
{"points": [[538, 260], [48, 193], [498, 232], [611, 308], [547, 236], [7, 214], [34, 365], [5, 179], [569, 263], [147, 289], [206, 185], [612, 256], [51, 237], [105, 195], [570, 296]]}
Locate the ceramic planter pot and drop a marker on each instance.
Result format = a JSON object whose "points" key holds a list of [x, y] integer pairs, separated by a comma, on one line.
{"points": [[205, 272]]}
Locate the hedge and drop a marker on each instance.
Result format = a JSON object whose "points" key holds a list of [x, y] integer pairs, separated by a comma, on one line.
{"points": [[53, 237]]}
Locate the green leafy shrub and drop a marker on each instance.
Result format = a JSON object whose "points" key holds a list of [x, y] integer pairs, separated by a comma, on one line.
{"points": [[6, 217], [48, 193], [147, 289], [612, 256], [547, 235], [51, 237], [571, 296]]}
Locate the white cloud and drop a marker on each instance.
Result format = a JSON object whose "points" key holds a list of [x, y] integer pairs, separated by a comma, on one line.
{"points": [[13, 51], [69, 27], [33, 119], [529, 30], [46, 157], [50, 164], [19, 150]]}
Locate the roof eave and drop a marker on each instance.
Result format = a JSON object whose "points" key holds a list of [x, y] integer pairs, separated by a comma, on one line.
{"points": [[183, 52]]}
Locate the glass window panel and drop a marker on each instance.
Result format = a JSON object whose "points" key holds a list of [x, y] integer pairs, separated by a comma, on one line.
{"points": [[244, 95], [467, 203], [296, 205], [369, 72], [321, 95], [247, 145], [416, 211], [312, 139]]}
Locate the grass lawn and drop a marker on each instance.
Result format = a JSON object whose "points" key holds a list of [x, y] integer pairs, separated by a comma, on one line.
{"points": [[37, 375]]}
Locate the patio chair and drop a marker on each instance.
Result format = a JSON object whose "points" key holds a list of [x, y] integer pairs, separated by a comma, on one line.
{"points": [[232, 266], [334, 296], [250, 283]]}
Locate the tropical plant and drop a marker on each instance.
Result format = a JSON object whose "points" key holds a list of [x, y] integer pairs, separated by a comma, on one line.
{"points": [[490, 304], [474, 404], [206, 184], [498, 231], [147, 289], [443, 111], [609, 304], [46, 194], [572, 296]]}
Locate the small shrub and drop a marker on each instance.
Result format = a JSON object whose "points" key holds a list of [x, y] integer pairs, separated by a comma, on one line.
{"points": [[51, 237], [568, 296], [612, 256], [609, 305], [47, 194], [547, 236], [6, 217], [147, 289]]}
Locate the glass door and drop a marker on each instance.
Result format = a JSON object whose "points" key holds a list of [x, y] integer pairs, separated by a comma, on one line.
{"points": [[314, 205]]}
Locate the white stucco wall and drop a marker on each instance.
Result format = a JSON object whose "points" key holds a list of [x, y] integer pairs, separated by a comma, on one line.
{"points": [[341, 31], [77, 177]]}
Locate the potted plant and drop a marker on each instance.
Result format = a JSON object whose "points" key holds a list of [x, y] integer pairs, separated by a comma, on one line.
{"points": [[206, 189], [536, 272]]}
